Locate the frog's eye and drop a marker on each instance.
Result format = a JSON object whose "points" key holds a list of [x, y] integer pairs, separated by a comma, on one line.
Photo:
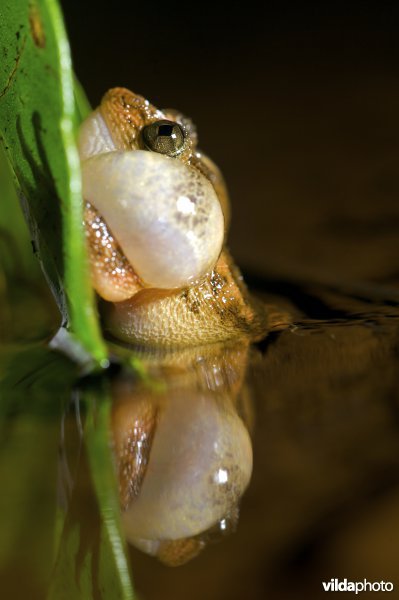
{"points": [[165, 137]]}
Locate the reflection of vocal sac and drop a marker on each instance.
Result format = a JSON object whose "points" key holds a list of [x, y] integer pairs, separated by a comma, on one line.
{"points": [[184, 455]]}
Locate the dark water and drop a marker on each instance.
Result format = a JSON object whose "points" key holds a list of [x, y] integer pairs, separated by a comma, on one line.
{"points": [[321, 401], [323, 500]]}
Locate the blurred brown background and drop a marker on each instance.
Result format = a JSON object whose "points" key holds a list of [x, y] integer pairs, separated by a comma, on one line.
{"points": [[298, 104]]}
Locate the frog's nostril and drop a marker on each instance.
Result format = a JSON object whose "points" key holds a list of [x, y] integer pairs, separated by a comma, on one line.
{"points": [[165, 137]]}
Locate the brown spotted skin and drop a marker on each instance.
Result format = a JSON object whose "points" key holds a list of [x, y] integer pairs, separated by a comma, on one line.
{"points": [[216, 309], [133, 425], [112, 275], [126, 113]]}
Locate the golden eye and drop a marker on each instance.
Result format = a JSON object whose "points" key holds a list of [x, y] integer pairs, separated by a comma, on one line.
{"points": [[165, 137]]}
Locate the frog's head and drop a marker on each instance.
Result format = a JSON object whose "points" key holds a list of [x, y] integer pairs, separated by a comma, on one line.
{"points": [[156, 208]]}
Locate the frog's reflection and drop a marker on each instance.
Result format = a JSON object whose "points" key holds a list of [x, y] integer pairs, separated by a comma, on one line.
{"points": [[184, 454]]}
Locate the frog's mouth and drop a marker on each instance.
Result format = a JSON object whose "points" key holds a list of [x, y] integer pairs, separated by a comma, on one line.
{"points": [[163, 214]]}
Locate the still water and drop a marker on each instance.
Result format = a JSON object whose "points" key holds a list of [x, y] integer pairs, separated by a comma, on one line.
{"points": [[309, 417]]}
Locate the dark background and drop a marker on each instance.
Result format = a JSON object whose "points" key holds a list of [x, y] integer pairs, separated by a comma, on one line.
{"points": [[298, 104]]}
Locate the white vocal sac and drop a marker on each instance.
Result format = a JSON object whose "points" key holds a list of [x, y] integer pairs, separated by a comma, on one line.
{"points": [[165, 215]]}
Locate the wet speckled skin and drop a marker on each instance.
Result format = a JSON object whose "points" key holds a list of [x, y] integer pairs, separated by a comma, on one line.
{"points": [[215, 309]]}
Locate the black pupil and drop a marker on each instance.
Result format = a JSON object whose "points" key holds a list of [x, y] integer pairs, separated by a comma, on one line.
{"points": [[165, 130], [166, 137]]}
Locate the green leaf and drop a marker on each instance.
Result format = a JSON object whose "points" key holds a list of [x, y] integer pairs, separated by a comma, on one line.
{"points": [[103, 472], [16, 256], [41, 106], [82, 106], [67, 544], [91, 560], [38, 116]]}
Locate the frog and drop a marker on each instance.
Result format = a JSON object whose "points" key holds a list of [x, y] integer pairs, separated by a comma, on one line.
{"points": [[156, 218]]}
